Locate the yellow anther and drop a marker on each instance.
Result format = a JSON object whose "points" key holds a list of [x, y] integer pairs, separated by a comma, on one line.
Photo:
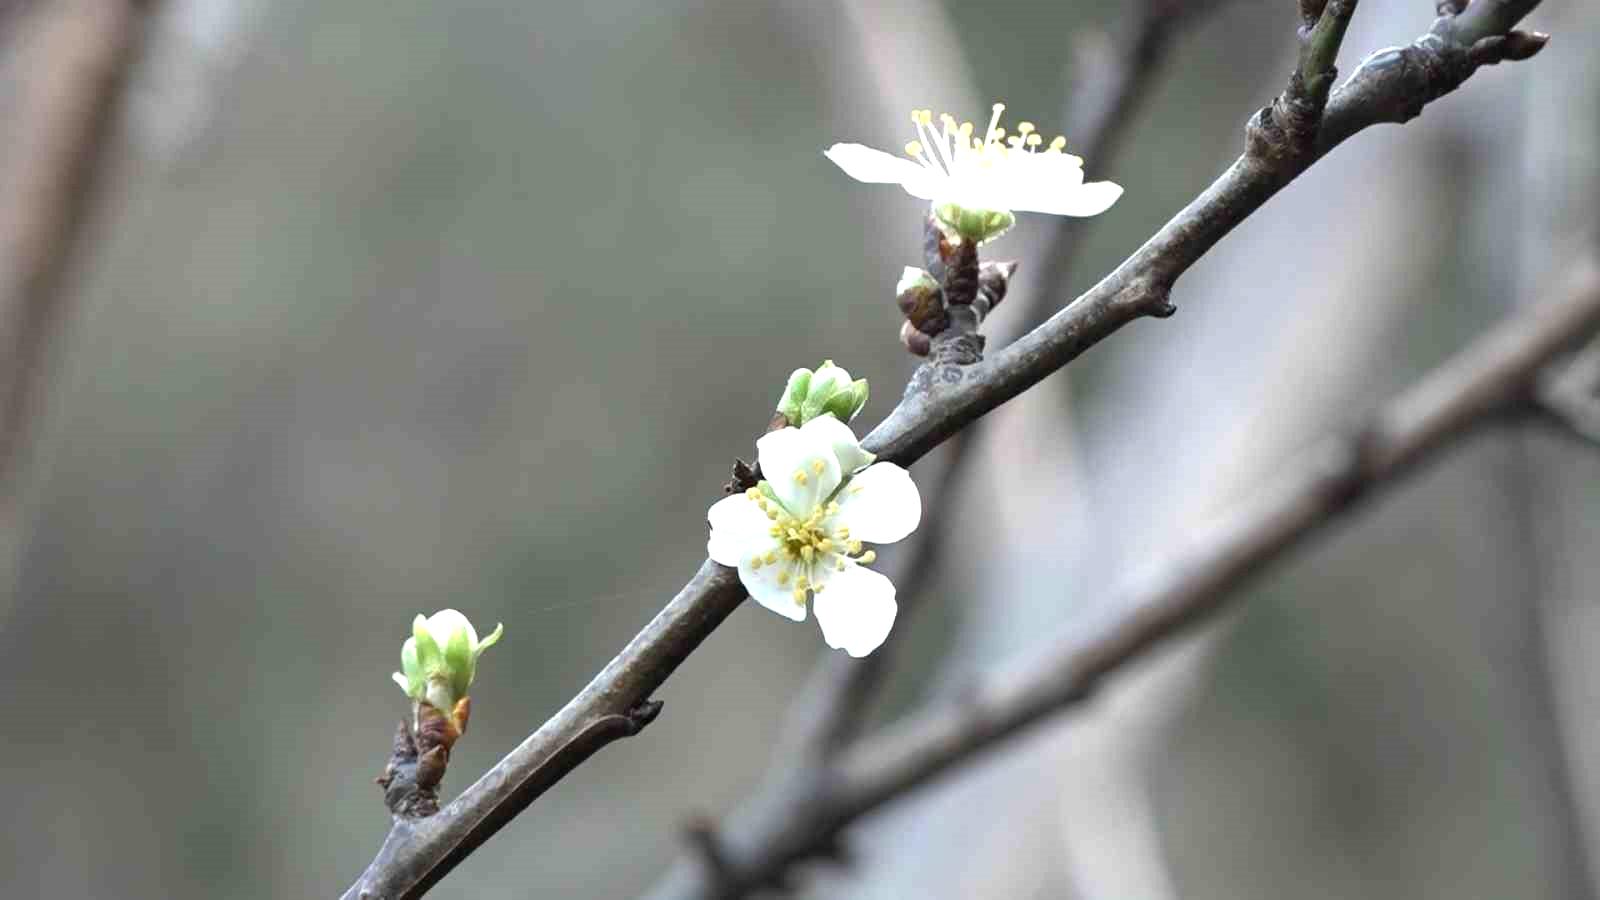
{"points": [[839, 566], [965, 130], [842, 533], [854, 547], [914, 149], [808, 553], [1058, 143], [998, 107], [1025, 127], [800, 476], [868, 557], [799, 597], [775, 531], [801, 582], [1034, 140], [756, 563], [818, 466], [824, 546], [833, 508], [783, 579], [771, 557], [754, 494], [772, 514]]}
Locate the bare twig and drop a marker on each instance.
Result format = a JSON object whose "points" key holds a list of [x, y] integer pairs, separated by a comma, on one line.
{"points": [[1476, 387], [80, 61], [943, 397]]}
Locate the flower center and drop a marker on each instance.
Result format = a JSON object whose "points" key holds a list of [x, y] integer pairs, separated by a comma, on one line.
{"points": [[808, 549], [952, 148]]}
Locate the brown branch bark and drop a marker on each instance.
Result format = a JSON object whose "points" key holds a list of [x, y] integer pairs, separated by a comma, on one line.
{"points": [[79, 63], [1481, 384], [942, 398]]}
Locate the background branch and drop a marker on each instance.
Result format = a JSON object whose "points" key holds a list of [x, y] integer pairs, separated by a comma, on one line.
{"points": [[940, 401], [81, 56], [1479, 385]]}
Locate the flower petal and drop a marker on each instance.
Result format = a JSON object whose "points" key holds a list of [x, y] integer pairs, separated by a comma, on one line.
{"points": [[762, 583], [877, 167], [856, 611], [1090, 199], [873, 166], [800, 467], [446, 622], [846, 446], [737, 525], [880, 505]]}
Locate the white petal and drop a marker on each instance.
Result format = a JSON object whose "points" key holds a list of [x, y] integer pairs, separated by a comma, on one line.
{"points": [[737, 525], [846, 446], [856, 611], [763, 585], [1090, 199], [801, 468], [880, 505], [873, 166], [877, 167], [446, 622]]}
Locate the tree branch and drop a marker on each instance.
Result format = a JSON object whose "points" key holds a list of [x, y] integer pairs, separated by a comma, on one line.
{"points": [[942, 398], [828, 712], [1484, 381]]}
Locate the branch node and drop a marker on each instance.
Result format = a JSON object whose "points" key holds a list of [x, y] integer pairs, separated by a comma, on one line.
{"points": [[643, 713]]}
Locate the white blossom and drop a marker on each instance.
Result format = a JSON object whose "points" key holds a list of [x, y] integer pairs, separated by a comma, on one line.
{"points": [[800, 533], [976, 184]]}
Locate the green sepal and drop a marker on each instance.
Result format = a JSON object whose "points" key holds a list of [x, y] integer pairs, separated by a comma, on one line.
{"points": [[458, 661], [794, 393], [846, 404], [430, 659], [976, 225], [486, 643]]}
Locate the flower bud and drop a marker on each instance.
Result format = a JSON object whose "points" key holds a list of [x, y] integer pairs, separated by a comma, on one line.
{"points": [[828, 390], [440, 659]]}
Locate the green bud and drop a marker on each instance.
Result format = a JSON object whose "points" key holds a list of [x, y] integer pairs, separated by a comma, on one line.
{"points": [[845, 404], [440, 659], [976, 225], [826, 383], [794, 393], [826, 391]]}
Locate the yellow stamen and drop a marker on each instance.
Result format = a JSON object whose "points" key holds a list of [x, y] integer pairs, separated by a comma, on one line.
{"points": [[800, 477], [799, 597], [914, 149], [783, 579], [818, 466], [868, 557]]}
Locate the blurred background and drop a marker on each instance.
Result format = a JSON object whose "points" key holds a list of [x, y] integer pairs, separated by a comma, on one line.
{"points": [[391, 306]]}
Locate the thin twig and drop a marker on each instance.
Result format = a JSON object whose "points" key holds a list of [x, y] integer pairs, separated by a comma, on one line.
{"points": [[79, 64], [942, 398], [1474, 388]]}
